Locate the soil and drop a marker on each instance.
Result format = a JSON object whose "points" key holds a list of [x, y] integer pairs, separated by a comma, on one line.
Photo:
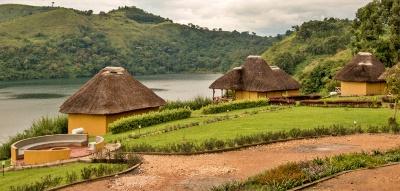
{"points": [[201, 172], [385, 178]]}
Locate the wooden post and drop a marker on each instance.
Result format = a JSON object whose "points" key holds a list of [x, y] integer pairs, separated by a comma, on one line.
{"points": [[213, 94]]}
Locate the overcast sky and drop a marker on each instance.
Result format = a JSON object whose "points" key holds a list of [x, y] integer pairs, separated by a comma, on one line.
{"points": [[265, 17]]}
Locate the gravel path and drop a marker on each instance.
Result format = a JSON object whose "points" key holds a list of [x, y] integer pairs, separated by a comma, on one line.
{"points": [[385, 178], [201, 172]]}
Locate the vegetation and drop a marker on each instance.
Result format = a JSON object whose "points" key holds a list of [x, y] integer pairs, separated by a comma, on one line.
{"points": [[290, 175], [393, 85], [239, 141], [43, 126], [148, 119], [66, 43], [195, 104], [254, 121], [377, 29], [313, 52], [22, 180], [234, 105]]}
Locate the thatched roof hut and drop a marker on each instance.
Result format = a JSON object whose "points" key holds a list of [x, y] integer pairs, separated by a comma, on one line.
{"points": [[113, 90], [388, 71], [364, 67], [256, 76]]}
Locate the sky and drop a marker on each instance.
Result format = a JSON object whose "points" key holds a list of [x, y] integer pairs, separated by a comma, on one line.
{"points": [[265, 17]]}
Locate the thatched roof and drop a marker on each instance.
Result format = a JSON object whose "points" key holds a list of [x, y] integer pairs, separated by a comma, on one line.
{"points": [[112, 90], [388, 71], [256, 75], [364, 67]]}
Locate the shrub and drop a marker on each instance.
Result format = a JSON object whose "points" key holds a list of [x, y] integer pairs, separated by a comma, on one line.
{"points": [[43, 126], [148, 119], [394, 126], [87, 173], [41, 185], [235, 105], [71, 177], [195, 104]]}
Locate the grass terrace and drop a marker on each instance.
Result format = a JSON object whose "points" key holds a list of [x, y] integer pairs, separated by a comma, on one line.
{"points": [[255, 120], [31, 176]]}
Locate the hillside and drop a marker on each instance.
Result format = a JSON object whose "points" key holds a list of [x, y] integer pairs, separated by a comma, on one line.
{"points": [[316, 50], [44, 42], [313, 52]]}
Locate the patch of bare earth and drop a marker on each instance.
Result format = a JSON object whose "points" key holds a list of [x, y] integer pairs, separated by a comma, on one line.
{"points": [[385, 178], [201, 172]]}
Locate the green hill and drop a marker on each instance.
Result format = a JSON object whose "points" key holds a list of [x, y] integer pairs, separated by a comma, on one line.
{"points": [[316, 50], [313, 52], [44, 42]]}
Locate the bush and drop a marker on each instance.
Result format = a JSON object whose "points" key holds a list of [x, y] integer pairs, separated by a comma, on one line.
{"points": [[41, 185], [71, 177], [148, 119], [43, 126], [195, 104], [235, 105]]}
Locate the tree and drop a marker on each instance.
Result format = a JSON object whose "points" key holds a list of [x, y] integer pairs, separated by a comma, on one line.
{"points": [[377, 28], [393, 85]]}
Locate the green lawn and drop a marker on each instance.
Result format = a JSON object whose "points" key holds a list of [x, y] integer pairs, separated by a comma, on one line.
{"points": [[21, 177], [286, 119]]}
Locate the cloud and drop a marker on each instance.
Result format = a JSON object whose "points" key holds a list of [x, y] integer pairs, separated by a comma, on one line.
{"points": [[266, 17]]}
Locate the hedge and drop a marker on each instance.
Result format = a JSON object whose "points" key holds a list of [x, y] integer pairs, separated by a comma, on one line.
{"points": [[148, 119], [235, 105]]}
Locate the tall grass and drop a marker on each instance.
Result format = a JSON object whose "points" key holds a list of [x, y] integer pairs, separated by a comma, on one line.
{"points": [[43, 126], [194, 104]]}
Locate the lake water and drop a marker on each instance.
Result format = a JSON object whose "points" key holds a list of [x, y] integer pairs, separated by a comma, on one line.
{"points": [[22, 102]]}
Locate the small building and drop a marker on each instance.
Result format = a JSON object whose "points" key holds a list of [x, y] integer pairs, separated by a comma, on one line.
{"points": [[111, 94], [256, 79], [360, 76]]}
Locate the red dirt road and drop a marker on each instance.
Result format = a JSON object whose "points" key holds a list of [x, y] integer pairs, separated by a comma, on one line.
{"points": [[201, 172], [382, 179]]}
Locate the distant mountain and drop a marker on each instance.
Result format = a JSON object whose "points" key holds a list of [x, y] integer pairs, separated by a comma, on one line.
{"points": [[47, 42]]}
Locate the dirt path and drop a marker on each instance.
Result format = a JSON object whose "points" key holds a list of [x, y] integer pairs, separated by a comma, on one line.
{"points": [[385, 178], [203, 171]]}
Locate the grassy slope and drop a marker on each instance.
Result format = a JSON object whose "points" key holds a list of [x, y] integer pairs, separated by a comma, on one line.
{"points": [[59, 22], [35, 40], [11, 11], [289, 44], [286, 119], [14, 178]]}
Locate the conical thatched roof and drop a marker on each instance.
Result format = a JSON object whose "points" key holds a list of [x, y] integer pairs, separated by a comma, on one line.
{"points": [[256, 75], [390, 70], [112, 90], [364, 67]]}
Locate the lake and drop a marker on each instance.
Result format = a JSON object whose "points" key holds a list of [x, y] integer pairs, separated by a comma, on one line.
{"points": [[22, 102]]}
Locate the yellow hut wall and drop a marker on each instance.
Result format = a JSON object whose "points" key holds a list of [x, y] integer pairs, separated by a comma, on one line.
{"points": [[97, 124], [362, 88], [241, 95], [92, 124], [376, 88]]}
